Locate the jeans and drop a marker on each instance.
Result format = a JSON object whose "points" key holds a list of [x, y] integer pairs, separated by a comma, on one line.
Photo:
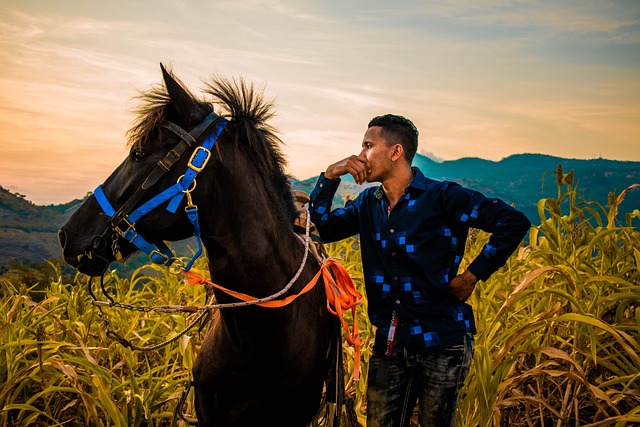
{"points": [[433, 379]]}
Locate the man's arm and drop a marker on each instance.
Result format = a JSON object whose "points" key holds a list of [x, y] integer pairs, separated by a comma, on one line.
{"points": [[507, 226], [333, 225]]}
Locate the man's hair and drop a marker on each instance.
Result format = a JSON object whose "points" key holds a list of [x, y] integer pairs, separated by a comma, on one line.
{"points": [[398, 130]]}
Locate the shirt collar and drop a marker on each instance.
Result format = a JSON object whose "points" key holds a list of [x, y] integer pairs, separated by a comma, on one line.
{"points": [[379, 193], [417, 182]]}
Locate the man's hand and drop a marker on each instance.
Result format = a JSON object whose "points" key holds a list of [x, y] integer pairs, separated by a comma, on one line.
{"points": [[462, 286], [357, 166]]}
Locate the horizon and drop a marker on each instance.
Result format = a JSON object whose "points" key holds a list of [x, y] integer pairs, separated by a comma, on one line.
{"points": [[486, 79], [347, 178]]}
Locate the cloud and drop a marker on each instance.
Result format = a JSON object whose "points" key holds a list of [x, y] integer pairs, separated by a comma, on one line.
{"points": [[571, 16], [288, 10], [433, 156], [487, 78]]}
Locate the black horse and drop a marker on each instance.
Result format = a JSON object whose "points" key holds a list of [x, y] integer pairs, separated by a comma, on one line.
{"points": [[256, 366]]}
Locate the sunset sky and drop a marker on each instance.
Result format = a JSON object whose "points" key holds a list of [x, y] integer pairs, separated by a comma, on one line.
{"points": [[479, 78]]}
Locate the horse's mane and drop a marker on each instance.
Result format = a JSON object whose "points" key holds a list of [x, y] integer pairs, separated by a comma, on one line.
{"points": [[249, 113]]}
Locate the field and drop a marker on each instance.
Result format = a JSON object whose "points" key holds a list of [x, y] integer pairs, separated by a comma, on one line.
{"points": [[558, 339]]}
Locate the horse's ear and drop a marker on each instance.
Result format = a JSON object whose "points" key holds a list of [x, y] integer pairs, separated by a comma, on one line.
{"points": [[181, 100]]}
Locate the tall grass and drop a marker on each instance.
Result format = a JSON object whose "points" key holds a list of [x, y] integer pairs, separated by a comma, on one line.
{"points": [[559, 325], [59, 366], [557, 344]]}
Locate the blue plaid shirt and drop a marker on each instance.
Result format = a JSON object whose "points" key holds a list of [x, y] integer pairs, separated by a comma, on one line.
{"points": [[411, 254]]}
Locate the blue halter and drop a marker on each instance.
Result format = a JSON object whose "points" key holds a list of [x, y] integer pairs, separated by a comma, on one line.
{"points": [[160, 253]]}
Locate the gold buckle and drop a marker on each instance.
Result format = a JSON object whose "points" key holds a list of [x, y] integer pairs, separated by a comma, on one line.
{"points": [[156, 251], [117, 229], [206, 160]]}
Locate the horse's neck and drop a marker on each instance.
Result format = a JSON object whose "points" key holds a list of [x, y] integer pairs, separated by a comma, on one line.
{"points": [[254, 249]]}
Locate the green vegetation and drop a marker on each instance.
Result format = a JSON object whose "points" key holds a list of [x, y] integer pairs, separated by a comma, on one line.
{"points": [[559, 325], [61, 366], [558, 339], [19, 213]]}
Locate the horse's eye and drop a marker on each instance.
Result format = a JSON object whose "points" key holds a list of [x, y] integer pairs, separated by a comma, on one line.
{"points": [[139, 154]]}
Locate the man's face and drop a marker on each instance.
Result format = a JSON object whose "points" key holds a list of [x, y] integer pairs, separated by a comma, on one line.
{"points": [[377, 153]]}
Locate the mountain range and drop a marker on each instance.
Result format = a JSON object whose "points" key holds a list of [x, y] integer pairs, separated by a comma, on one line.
{"points": [[28, 231]]}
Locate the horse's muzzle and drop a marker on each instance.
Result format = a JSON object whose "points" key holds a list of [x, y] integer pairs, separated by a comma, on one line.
{"points": [[91, 261], [62, 238]]}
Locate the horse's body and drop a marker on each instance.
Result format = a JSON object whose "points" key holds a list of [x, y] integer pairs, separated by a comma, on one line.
{"points": [[256, 366]]}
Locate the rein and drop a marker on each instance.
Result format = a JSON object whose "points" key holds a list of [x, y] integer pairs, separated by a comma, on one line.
{"points": [[204, 310], [339, 288]]}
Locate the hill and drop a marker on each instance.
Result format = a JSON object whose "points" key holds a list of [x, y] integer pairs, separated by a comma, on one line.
{"points": [[523, 179], [28, 231]]}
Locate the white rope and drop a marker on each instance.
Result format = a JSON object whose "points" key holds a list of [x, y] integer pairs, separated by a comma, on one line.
{"points": [[280, 292]]}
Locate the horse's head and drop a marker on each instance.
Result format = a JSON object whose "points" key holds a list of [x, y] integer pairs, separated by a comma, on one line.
{"points": [[143, 203], [101, 230]]}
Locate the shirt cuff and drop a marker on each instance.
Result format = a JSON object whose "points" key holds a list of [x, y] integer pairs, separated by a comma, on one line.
{"points": [[325, 187], [481, 267]]}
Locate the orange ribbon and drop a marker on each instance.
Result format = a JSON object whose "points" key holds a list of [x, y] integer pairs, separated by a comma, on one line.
{"points": [[342, 295]]}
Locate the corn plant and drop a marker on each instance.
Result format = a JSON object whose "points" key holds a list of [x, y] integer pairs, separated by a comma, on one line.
{"points": [[60, 365], [558, 340]]}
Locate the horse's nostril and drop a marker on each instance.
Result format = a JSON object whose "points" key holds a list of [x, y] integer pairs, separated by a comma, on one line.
{"points": [[98, 243], [62, 237]]}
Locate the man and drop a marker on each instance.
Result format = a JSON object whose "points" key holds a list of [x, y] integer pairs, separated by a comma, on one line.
{"points": [[413, 232]]}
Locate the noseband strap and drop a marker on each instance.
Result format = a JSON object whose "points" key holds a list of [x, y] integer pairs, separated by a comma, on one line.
{"points": [[123, 223], [160, 253]]}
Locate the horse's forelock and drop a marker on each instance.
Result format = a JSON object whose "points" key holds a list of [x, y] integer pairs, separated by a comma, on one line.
{"points": [[154, 109], [150, 113]]}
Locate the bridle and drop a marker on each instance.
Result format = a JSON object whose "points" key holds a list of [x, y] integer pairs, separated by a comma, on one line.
{"points": [[122, 222], [122, 225], [339, 288]]}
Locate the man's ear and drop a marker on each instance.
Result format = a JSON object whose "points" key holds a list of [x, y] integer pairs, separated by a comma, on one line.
{"points": [[398, 152]]}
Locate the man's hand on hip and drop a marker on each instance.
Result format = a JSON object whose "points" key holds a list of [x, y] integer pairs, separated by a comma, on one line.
{"points": [[462, 285]]}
